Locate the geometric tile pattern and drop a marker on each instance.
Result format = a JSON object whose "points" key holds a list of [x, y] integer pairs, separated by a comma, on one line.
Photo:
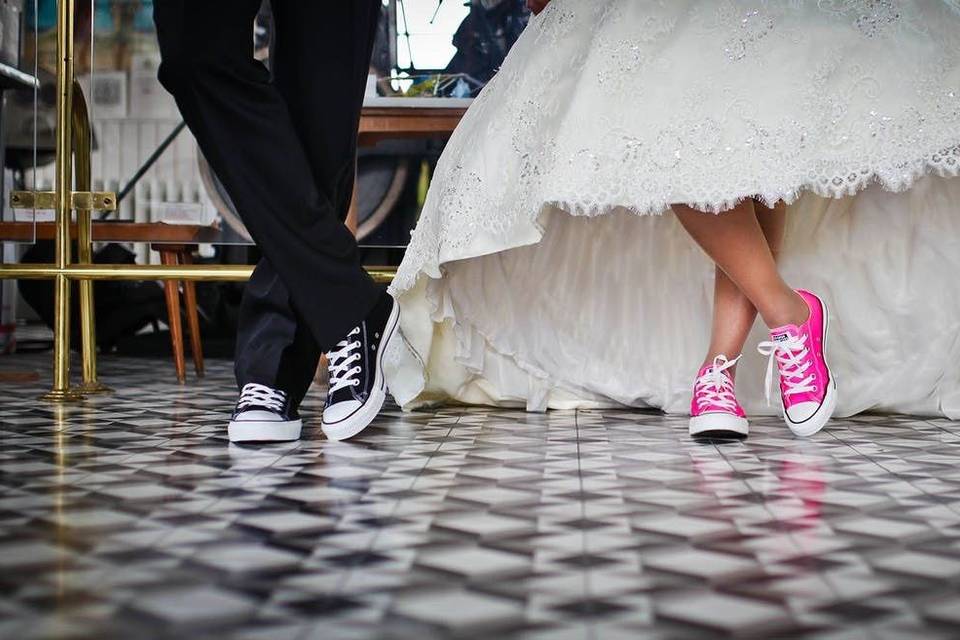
{"points": [[132, 516]]}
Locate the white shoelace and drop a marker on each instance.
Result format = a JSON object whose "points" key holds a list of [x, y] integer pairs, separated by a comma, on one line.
{"points": [[714, 387], [341, 373], [791, 356], [258, 395]]}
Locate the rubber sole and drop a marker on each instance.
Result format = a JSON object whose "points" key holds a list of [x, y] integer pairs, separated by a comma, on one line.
{"points": [[818, 420], [360, 419], [719, 426], [264, 431]]}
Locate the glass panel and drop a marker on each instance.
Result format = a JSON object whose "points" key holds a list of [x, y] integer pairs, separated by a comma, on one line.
{"points": [[445, 49], [27, 51], [87, 98], [430, 60], [19, 133], [142, 149]]}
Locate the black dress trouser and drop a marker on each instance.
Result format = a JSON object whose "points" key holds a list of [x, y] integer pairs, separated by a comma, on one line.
{"points": [[284, 147]]}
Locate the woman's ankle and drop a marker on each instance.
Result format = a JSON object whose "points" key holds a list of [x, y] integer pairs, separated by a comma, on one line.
{"points": [[790, 309]]}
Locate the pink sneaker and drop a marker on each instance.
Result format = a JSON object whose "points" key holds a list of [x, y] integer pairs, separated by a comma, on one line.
{"points": [[808, 389], [714, 411]]}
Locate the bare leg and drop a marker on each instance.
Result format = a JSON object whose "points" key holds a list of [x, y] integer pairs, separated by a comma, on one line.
{"points": [[733, 313], [736, 242]]}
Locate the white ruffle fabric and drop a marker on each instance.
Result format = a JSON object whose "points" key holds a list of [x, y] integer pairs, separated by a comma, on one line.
{"points": [[532, 281]]}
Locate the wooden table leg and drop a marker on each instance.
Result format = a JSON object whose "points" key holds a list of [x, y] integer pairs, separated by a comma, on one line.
{"points": [[193, 316], [171, 289]]}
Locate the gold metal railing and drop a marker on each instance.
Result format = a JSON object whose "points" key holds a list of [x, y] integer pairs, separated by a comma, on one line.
{"points": [[73, 159], [209, 272]]}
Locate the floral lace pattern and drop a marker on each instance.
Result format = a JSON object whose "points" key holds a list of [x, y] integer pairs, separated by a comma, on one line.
{"points": [[643, 104]]}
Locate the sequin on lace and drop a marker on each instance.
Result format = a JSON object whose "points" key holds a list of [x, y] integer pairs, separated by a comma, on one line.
{"points": [[748, 31]]}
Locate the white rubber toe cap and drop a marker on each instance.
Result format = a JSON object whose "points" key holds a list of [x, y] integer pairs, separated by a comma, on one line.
{"points": [[807, 418], [802, 411], [340, 411], [346, 419]]}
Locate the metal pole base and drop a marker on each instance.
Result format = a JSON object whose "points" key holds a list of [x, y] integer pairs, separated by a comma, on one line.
{"points": [[93, 388], [70, 395]]}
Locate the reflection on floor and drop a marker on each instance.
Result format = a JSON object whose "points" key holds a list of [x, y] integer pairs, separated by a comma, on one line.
{"points": [[130, 516]]}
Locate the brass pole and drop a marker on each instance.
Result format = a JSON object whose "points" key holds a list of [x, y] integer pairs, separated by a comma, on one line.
{"points": [[82, 156], [64, 187], [213, 273], [205, 272]]}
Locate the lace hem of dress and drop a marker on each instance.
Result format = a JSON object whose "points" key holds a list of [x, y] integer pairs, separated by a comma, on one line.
{"points": [[427, 242], [945, 164], [474, 345]]}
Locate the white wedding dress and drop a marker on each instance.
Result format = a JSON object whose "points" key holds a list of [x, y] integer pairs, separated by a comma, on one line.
{"points": [[535, 277]]}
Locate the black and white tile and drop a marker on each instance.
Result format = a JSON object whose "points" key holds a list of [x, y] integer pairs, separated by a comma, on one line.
{"points": [[131, 516]]}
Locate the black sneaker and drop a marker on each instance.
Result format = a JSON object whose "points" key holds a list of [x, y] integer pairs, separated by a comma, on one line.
{"points": [[264, 414], [357, 385]]}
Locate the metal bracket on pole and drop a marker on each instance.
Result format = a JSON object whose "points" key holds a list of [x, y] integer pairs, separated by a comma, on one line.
{"points": [[47, 200]]}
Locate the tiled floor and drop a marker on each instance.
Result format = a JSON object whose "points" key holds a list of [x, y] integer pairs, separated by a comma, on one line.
{"points": [[131, 516]]}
